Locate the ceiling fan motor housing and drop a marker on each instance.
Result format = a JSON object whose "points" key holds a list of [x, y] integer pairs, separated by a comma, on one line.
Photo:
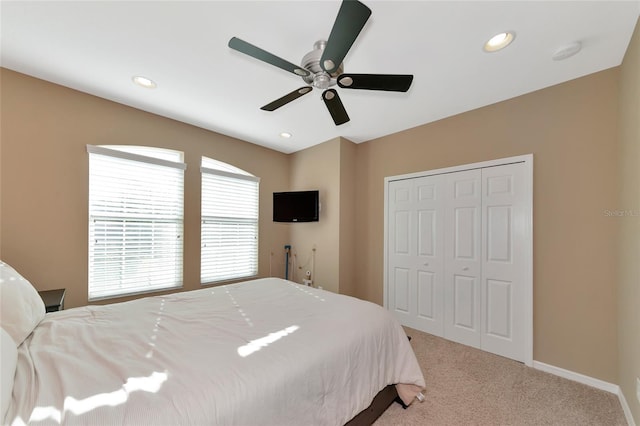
{"points": [[319, 78]]}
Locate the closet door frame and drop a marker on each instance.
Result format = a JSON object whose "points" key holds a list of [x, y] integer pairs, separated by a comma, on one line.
{"points": [[527, 160]]}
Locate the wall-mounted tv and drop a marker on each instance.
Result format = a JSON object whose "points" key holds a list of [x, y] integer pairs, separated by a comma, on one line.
{"points": [[296, 206]]}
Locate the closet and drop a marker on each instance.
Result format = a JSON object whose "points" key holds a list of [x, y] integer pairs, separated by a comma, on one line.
{"points": [[458, 254]]}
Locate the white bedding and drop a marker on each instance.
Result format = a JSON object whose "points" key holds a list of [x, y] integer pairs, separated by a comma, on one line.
{"points": [[264, 352]]}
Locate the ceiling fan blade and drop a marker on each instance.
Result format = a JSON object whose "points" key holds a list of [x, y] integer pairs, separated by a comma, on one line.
{"points": [[287, 98], [254, 51], [335, 107], [350, 20], [388, 82]]}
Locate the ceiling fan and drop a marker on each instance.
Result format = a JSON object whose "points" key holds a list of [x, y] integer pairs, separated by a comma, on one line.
{"points": [[323, 68]]}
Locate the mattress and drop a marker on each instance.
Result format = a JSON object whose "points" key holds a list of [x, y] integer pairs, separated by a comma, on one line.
{"points": [[263, 352]]}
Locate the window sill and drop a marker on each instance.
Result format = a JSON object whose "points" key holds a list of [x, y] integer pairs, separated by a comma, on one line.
{"points": [[134, 294]]}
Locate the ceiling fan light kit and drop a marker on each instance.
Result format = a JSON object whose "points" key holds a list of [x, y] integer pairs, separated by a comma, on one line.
{"points": [[323, 66]]}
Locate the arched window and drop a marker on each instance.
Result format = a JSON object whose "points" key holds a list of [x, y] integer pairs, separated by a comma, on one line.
{"points": [[136, 218], [229, 230]]}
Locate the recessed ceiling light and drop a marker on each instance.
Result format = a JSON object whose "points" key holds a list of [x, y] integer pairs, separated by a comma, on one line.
{"points": [[285, 135], [144, 82], [499, 41]]}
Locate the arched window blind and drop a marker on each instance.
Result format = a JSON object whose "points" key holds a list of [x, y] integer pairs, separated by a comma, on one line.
{"points": [[136, 217], [229, 232]]}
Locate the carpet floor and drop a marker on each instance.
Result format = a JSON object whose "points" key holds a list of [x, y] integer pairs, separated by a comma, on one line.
{"points": [[466, 386]]}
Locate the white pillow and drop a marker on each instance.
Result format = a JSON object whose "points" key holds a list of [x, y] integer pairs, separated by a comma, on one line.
{"points": [[22, 308], [9, 355]]}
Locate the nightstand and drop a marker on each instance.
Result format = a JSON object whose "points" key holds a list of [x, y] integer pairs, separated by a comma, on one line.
{"points": [[53, 299]]}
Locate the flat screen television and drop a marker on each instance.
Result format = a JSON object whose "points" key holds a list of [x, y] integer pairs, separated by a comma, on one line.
{"points": [[296, 206]]}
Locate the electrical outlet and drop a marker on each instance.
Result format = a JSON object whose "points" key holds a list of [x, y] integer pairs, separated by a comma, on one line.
{"points": [[638, 388]]}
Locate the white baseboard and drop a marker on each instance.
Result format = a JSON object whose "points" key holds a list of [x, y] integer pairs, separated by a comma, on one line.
{"points": [[577, 377], [589, 381], [625, 408]]}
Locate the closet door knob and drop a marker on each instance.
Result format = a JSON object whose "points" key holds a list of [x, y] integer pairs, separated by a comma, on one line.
{"points": [[466, 268]]}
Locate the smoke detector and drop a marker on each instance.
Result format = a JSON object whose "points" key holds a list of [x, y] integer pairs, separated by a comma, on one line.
{"points": [[567, 51]]}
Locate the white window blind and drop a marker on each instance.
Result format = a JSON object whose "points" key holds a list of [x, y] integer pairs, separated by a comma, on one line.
{"points": [[136, 217], [229, 232]]}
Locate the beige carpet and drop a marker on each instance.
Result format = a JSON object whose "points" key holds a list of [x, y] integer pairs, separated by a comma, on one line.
{"points": [[466, 386]]}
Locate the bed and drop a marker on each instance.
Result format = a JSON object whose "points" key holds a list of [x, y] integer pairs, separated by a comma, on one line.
{"points": [[266, 351]]}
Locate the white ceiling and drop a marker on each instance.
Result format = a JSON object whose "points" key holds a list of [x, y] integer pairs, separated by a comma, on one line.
{"points": [[96, 47]]}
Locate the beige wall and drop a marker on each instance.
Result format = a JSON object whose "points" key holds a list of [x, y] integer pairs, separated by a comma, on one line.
{"points": [[629, 226], [318, 168], [330, 168], [571, 131], [348, 242], [1, 168], [45, 130]]}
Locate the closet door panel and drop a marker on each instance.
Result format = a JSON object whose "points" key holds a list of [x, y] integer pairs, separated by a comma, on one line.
{"points": [[428, 305], [415, 253], [429, 256], [463, 201], [402, 226], [401, 293], [500, 235], [427, 232], [464, 302], [465, 227], [499, 308], [427, 309], [504, 264], [401, 253]]}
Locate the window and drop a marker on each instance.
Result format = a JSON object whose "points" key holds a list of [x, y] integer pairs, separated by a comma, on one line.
{"points": [[229, 233], [135, 220]]}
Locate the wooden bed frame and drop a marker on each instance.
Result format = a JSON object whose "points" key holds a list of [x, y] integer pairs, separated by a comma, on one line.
{"points": [[380, 403]]}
